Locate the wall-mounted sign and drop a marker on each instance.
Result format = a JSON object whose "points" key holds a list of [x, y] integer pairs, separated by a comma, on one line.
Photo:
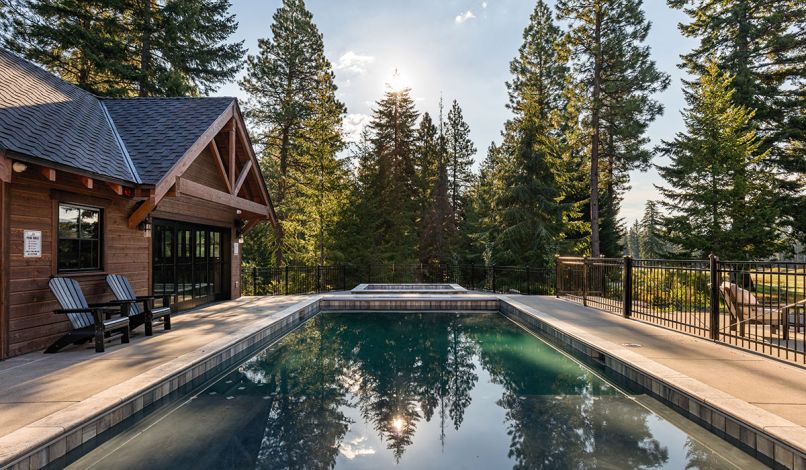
{"points": [[235, 248], [32, 244]]}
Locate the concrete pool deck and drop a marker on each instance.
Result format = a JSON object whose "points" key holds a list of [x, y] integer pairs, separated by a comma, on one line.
{"points": [[36, 388]]}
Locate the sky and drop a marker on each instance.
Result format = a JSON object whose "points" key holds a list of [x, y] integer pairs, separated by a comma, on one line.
{"points": [[459, 50]]}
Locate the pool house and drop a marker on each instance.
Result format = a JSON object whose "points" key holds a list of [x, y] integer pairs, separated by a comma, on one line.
{"points": [[159, 190]]}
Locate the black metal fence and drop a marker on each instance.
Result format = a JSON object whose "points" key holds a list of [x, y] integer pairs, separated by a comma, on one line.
{"points": [[312, 279], [758, 306]]}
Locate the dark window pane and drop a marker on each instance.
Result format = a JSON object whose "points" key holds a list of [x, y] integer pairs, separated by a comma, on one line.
{"points": [[68, 254], [88, 258], [68, 222], [90, 224]]}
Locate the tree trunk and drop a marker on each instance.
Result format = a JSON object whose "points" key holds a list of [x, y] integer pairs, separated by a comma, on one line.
{"points": [[145, 52], [597, 72]]}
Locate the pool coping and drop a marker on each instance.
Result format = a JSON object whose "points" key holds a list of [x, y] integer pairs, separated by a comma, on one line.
{"points": [[769, 436], [452, 289]]}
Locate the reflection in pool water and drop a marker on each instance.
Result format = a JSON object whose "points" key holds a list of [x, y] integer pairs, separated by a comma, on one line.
{"points": [[359, 390]]}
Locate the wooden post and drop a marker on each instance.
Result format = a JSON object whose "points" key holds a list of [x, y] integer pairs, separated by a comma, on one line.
{"points": [[714, 271], [627, 286]]}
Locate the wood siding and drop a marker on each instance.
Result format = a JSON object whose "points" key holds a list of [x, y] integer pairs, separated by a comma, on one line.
{"points": [[33, 206]]}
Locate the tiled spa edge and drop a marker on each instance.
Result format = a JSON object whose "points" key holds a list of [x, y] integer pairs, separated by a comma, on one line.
{"points": [[772, 438]]}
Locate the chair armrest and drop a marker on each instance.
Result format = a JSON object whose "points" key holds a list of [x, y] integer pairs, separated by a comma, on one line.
{"points": [[96, 312], [112, 303]]}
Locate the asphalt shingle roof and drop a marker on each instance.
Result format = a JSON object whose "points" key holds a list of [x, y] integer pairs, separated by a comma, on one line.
{"points": [[132, 139], [45, 117], [158, 131]]}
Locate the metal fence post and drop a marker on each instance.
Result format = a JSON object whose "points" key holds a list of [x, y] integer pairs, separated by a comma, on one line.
{"points": [[493, 278], [286, 279], [254, 280], [343, 277], [714, 267], [527, 281], [369, 274], [627, 286], [557, 276], [318, 278], [585, 281], [472, 285]]}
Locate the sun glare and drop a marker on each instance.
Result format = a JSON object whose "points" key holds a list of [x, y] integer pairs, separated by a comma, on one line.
{"points": [[398, 82]]}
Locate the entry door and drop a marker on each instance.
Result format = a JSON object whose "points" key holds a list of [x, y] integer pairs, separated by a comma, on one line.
{"points": [[187, 263]]}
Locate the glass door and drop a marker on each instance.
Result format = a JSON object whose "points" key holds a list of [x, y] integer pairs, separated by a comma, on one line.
{"points": [[187, 263]]}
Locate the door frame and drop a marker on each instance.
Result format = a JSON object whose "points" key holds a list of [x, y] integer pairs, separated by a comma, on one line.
{"points": [[225, 260]]}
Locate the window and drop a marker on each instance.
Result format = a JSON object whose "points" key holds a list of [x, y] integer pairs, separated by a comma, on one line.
{"points": [[79, 246]]}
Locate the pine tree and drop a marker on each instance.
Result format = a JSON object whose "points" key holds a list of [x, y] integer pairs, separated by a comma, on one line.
{"points": [[438, 226], [83, 42], [282, 82], [763, 45], [129, 47], [531, 217], [321, 181], [612, 62], [461, 151], [429, 153], [393, 181], [632, 240], [718, 197], [650, 241]]}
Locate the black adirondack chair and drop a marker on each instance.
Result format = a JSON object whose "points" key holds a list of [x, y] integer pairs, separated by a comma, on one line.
{"points": [[88, 320], [146, 314]]}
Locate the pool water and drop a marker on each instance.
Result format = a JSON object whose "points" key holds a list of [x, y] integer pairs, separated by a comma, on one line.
{"points": [[399, 390]]}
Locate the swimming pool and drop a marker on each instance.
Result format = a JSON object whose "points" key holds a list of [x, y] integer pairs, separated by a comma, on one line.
{"points": [[412, 390]]}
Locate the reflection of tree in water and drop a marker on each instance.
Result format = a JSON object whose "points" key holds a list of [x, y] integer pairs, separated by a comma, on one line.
{"points": [[304, 424], [558, 415], [401, 376], [701, 458]]}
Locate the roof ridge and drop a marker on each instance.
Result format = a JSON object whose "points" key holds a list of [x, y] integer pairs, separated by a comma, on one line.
{"points": [[122, 145], [158, 98]]}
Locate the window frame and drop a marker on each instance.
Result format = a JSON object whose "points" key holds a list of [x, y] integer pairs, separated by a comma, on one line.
{"points": [[100, 240]]}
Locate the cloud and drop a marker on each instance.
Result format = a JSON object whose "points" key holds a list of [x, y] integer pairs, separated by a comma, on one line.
{"points": [[353, 125], [462, 17], [354, 63], [355, 448]]}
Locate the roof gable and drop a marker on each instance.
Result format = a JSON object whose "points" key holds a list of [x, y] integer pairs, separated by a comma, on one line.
{"points": [[157, 132], [44, 117]]}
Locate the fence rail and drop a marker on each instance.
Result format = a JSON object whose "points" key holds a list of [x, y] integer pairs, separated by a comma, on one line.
{"points": [[311, 279], [759, 306]]}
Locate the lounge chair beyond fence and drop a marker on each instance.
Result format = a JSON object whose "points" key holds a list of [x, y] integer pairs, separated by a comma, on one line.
{"points": [[88, 320], [138, 315], [744, 309]]}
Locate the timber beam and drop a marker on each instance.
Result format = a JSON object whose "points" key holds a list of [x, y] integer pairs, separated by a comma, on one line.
{"points": [[200, 191]]}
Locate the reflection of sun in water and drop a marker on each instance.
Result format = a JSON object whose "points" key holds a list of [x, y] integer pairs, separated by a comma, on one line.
{"points": [[397, 425]]}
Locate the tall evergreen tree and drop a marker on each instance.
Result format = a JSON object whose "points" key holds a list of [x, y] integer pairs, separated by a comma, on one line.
{"points": [[763, 45], [461, 151], [438, 226], [632, 240], [128, 47], [531, 217], [429, 150], [282, 82], [322, 179], [391, 179], [650, 239], [611, 60], [718, 196]]}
